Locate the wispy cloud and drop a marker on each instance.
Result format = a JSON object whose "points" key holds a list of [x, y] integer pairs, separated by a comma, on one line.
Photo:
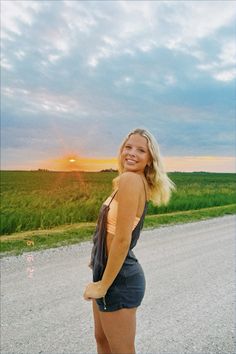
{"points": [[76, 74], [16, 15], [222, 68]]}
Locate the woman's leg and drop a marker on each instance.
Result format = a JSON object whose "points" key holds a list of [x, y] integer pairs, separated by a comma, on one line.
{"points": [[120, 328], [101, 340]]}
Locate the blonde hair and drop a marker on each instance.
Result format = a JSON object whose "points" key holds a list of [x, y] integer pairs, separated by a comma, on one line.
{"points": [[160, 185]]}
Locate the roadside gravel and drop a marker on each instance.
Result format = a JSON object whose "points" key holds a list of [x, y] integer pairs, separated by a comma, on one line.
{"points": [[188, 307]]}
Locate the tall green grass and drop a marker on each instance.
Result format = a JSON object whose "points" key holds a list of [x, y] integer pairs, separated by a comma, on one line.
{"points": [[42, 200], [199, 190]]}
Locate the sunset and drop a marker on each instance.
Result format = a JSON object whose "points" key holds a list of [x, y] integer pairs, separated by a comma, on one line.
{"points": [[77, 76], [87, 87], [79, 163], [75, 162]]}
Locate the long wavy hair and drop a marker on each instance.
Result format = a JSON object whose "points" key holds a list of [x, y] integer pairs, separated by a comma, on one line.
{"points": [[160, 185]]}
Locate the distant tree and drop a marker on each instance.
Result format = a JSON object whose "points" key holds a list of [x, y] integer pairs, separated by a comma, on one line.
{"points": [[109, 170], [43, 170]]}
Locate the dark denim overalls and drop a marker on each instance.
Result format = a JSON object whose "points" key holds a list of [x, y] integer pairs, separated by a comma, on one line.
{"points": [[127, 290]]}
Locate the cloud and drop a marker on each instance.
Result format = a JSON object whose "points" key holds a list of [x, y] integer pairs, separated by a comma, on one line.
{"points": [[225, 75], [145, 26], [120, 28], [17, 14], [5, 64], [78, 75], [222, 68]]}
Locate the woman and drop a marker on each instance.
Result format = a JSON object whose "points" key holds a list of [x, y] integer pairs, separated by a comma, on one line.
{"points": [[118, 280]]}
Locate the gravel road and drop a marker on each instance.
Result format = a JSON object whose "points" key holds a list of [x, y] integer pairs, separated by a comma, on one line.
{"points": [[188, 307]]}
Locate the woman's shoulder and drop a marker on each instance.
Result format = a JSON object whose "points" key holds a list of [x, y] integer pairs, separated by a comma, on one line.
{"points": [[130, 181], [138, 181], [130, 177]]}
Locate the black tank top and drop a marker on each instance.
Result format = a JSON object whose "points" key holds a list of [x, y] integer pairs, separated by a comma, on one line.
{"points": [[99, 254]]}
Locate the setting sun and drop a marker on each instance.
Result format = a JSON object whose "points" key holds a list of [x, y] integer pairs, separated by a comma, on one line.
{"points": [[75, 162]]}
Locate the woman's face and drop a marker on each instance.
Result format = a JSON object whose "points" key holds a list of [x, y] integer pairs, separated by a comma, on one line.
{"points": [[135, 154]]}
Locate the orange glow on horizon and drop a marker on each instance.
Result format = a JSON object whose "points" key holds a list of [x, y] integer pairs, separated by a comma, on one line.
{"points": [[78, 163], [74, 162], [200, 163]]}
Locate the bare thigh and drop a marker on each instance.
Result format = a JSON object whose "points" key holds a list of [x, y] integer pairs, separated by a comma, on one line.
{"points": [[120, 328], [99, 332]]}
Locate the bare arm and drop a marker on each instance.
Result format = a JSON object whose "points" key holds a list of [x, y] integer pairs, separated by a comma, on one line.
{"points": [[130, 186]]}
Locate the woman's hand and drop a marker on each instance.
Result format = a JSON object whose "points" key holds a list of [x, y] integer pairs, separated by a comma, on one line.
{"points": [[94, 291]]}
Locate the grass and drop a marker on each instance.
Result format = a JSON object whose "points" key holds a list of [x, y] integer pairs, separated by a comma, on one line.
{"points": [[153, 221], [50, 209], [29, 241]]}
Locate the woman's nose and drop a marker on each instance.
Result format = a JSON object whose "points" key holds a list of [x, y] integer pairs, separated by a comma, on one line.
{"points": [[131, 152]]}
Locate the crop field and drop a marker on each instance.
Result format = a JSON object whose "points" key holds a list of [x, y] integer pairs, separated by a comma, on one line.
{"points": [[36, 200]]}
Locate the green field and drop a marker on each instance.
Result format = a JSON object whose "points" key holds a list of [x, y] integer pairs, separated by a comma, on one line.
{"points": [[66, 201]]}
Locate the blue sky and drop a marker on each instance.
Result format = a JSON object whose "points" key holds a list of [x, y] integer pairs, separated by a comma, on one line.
{"points": [[77, 76]]}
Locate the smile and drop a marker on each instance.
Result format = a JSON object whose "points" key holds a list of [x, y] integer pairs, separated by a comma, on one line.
{"points": [[131, 162]]}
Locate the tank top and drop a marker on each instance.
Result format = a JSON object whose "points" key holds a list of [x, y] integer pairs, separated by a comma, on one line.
{"points": [[99, 253], [112, 216]]}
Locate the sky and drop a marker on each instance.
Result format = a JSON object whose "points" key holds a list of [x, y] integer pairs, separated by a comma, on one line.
{"points": [[78, 76]]}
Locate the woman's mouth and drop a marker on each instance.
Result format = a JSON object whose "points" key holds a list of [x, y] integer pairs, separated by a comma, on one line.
{"points": [[130, 162]]}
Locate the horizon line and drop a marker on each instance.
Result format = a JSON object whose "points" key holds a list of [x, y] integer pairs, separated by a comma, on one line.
{"points": [[102, 171]]}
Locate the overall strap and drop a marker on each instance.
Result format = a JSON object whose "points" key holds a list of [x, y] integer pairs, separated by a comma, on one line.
{"points": [[144, 188], [113, 195]]}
